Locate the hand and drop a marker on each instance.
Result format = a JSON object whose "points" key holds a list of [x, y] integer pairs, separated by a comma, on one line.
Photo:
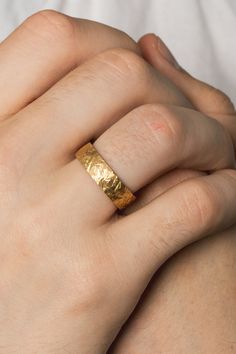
{"points": [[68, 261], [189, 306], [47, 46]]}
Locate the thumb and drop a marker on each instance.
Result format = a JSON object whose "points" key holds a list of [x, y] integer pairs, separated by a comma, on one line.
{"points": [[203, 97]]}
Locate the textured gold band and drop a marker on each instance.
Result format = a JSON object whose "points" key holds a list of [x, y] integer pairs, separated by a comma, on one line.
{"points": [[104, 176]]}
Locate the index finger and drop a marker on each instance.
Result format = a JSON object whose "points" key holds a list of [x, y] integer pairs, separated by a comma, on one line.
{"points": [[46, 47]]}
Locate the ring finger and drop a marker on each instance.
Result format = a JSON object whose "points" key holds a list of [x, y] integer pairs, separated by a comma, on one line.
{"points": [[152, 140]]}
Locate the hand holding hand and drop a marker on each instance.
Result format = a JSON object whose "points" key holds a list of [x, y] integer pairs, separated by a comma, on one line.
{"points": [[72, 270], [190, 304]]}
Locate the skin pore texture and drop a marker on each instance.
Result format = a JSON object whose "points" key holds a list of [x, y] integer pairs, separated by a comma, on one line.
{"points": [[72, 269], [190, 304]]}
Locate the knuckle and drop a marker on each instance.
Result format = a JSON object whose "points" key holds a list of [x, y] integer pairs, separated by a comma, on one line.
{"points": [[126, 63], [25, 243], [144, 130], [229, 175], [163, 120], [49, 25], [203, 203], [92, 287], [84, 293]]}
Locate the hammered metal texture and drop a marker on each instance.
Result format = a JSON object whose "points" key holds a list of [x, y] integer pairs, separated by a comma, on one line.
{"points": [[104, 176]]}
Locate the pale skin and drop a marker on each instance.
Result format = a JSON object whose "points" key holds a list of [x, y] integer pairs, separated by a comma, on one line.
{"points": [[190, 305], [72, 270]]}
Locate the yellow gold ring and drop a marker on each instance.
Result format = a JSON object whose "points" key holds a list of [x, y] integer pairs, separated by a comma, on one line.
{"points": [[104, 176]]}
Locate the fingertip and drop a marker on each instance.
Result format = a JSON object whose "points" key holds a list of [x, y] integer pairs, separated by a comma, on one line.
{"points": [[146, 37], [146, 43]]}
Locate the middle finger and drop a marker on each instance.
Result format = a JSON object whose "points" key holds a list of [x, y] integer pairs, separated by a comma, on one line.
{"points": [[88, 100]]}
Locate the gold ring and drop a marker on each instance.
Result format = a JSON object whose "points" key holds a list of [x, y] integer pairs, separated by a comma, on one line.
{"points": [[104, 176]]}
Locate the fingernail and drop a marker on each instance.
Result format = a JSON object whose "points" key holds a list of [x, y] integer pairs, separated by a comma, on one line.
{"points": [[166, 53]]}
